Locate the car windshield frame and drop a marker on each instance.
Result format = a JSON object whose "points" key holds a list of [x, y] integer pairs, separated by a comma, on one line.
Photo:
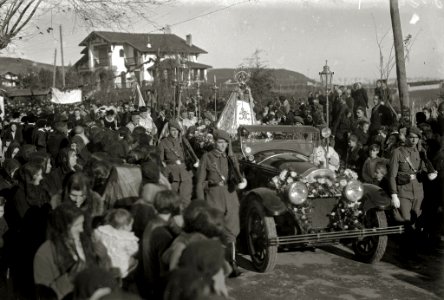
{"points": [[259, 138]]}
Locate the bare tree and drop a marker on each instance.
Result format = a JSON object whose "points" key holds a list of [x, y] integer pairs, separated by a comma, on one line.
{"points": [[387, 62], [15, 15]]}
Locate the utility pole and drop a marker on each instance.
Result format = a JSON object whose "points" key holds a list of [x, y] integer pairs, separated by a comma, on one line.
{"points": [[61, 53], [54, 72], [399, 54]]}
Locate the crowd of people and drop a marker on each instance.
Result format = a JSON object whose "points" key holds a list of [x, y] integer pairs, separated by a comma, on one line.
{"points": [[61, 238]]}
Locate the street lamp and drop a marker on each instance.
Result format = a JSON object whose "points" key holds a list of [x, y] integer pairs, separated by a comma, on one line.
{"points": [[326, 80]]}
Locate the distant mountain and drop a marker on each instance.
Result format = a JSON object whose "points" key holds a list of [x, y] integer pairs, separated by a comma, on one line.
{"points": [[282, 77], [20, 65]]}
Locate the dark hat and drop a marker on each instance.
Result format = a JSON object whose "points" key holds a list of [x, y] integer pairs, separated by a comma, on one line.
{"points": [[221, 134], [282, 98], [299, 119], [150, 172], [41, 123], [88, 281], [174, 124], [135, 113], [60, 118], [143, 109], [414, 130], [206, 257], [353, 138]]}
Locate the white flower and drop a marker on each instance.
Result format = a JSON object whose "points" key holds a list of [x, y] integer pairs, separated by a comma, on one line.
{"points": [[321, 180], [345, 226], [275, 180], [342, 210], [293, 174], [333, 214], [343, 182], [349, 173], [283, 175], [289, 180]]}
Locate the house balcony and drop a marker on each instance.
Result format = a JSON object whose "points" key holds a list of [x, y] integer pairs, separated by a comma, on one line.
{"points": [[131, 61], [101, 62]]}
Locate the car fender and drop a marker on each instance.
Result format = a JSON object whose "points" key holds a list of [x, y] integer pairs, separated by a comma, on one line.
{"points": [[272, 203], [374, 198]]}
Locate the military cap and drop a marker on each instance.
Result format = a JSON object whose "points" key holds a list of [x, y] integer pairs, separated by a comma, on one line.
{"points": [[174, 124], [221, 134], [414, 130], [299, 119]]}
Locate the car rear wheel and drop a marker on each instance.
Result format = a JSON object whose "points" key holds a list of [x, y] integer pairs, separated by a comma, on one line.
{"points": [[260, 229], [371, 249]]}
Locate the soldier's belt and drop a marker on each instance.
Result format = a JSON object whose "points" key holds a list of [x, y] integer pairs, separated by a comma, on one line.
{"points": [[213, 184], [174, 162]]}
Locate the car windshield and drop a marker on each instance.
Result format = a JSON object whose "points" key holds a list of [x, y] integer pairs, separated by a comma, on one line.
{"points": [[275, 158], [304, 137]]}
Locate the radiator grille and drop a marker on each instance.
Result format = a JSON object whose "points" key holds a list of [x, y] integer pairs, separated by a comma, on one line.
{"points": [[321, 208]]}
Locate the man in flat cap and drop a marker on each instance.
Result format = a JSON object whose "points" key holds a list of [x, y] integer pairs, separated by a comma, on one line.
{"points": [[217, 168], [173, 154]]}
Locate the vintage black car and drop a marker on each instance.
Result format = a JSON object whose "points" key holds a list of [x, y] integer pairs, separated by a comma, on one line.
{"points": [[289, 202]]}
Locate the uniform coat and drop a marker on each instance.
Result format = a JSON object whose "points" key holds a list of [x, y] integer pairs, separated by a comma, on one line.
{"points": [[411, 194], [173, 155], [214, 171]]}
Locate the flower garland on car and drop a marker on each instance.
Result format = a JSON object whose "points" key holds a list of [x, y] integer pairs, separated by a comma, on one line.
{"points": [[345, 215]]}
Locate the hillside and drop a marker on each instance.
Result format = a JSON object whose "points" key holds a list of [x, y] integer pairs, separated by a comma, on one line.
{"points": [[20, 66], [282, 77]]}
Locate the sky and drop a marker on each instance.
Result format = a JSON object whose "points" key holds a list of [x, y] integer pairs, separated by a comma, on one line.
{"points": [[298, 35]]}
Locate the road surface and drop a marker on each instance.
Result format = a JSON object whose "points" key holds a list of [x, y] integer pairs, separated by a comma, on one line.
{"points": [[332, 273]]}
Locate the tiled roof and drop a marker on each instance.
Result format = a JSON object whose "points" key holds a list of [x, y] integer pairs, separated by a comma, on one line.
{"points": [[172, 63], [164, 43]]}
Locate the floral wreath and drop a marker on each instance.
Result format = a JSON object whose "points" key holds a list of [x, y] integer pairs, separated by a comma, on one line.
{"points": [[345, 215]]}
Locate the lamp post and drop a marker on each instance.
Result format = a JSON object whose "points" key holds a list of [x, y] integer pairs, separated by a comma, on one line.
{"points": [[179, 82], [214, 88], [326, 79]]}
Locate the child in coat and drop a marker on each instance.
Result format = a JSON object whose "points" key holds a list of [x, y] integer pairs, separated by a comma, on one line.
{"points": [[121, 243]]}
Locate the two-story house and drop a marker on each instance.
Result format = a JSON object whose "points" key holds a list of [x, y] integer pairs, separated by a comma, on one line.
{"points": [[9, 79], [142, 56]]}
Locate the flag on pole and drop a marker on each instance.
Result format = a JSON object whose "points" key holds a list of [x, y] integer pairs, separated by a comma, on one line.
{"points": [[138, 95], [2, 107], [238, 111]]}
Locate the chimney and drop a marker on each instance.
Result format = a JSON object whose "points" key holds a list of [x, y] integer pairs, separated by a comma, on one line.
{"points": [[189, 40]]}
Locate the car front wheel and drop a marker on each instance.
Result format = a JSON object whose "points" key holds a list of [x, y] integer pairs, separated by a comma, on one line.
{"points": [[260, 229], [371, 249]]}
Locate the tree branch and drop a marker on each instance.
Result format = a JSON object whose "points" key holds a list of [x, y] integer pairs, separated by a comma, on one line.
{"points": [[20, 17]]}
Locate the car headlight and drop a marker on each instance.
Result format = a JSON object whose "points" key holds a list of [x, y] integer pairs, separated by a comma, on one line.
{"points": [[354, 191], [297, 193]]}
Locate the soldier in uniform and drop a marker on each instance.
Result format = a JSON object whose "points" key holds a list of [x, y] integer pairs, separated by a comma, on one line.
{"points": [[406, 163], [173, 155], [215, 171]]}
